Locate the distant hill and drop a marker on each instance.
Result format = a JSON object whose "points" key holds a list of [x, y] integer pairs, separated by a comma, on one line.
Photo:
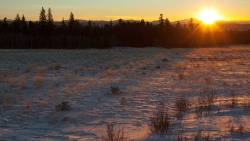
{"points": [[232, 25], [224, 25]]}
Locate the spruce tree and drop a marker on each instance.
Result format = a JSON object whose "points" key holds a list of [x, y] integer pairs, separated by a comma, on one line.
{"points": [[17, 18], [50, 25], [71, 21], [42, 17], [49, 17], [178, 24], [191, 24], [23, 25], [5, 25], [63, 27], [161, 20], [16, 24], [42, 22], [167, 22], [63, 23]]}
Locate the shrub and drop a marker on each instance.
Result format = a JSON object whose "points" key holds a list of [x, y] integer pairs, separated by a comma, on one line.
{"points": [[160, 122], [205, 103], [233, 101], [181, 106], [179, 137], [238, 130], [158, 67], [246, 103], [200, 137], [123, 101], [63, 106], [114, 135], [115, 90], [164, 60]]}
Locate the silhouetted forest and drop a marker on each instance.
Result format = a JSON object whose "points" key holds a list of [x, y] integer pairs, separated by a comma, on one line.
{"points": [[22, 34]]}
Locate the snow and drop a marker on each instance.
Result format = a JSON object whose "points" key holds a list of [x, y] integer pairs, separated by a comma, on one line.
{"points": [[32, 82]]}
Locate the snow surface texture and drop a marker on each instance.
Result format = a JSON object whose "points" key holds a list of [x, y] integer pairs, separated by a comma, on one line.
{"points": [[33, 84]]}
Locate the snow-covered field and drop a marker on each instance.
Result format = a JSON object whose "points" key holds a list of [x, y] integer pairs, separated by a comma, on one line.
{"points": [[33, 84]]}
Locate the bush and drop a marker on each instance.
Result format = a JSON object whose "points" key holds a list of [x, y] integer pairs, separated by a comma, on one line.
{"points": [[233, 101], [164, 60], [200, 137], [63, 106], [181, 106], [205, 103], [115, 90], [114, 135], [160, 122], [237, 130], [246, 103]]}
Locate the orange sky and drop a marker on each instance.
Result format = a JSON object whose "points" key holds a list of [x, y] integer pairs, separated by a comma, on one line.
{"points": [[148, 10]]}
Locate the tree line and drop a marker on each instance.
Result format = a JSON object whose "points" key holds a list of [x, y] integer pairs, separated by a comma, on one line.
{"points": [[22, 34]]}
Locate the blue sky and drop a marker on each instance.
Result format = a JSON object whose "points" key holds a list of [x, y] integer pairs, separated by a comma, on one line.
{"points": [[125, 9]]}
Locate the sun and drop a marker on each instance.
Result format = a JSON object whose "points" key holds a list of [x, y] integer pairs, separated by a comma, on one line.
{"points": [[208, 16]]}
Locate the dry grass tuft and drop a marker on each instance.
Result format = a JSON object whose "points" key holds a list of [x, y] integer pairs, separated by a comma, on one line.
{"points": [[7, 106], [181, 106], [38, 81], [114, 135], [115, 90], [6, 89], [63, 106], [246, 103], [27, 104], [237, 130], [233, 100], [55, 66], [204, 103], [164, 60], [1, 76], [201, 137], [23, 80], [209, 80], [111, 72], [124, 101], [12, 82], [28, 68], [40, 70], [160, 122], [181, 76]]}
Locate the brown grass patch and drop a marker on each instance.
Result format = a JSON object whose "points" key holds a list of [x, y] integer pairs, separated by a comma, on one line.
{"points": [[37, 81]]}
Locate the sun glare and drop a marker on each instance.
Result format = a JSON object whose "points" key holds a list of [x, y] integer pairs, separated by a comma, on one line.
{"points": [[208, 16]]}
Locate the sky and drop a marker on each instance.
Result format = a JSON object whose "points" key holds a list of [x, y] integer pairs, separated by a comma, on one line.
{"points": [[148, 10]]}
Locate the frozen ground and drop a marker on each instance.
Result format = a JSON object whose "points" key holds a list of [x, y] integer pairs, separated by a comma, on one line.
{"points": [[32, 82]]}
